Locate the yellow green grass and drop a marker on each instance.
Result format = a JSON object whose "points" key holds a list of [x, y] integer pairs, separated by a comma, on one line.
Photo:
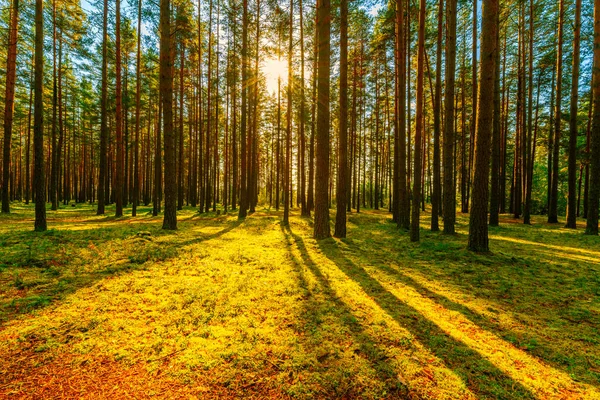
{"points": [[223, 308]]}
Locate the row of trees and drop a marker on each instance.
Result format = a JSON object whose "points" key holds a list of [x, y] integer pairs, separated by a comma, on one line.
{"points": [[436, 104]]}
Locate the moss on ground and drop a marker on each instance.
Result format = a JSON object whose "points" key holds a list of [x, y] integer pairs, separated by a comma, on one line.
{"points": [[223, 308]]}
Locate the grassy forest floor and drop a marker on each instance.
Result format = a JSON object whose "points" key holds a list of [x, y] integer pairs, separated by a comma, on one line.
{"points": [[99, 307]]}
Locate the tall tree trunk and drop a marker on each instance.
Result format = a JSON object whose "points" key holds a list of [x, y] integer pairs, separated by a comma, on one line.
{"points": [[234, 138], [180, 191], [474, 61], [553, 210], [243, 133], [288, 136], [28, 190], [138, 86], [416, 193], [103, 114], [253, 135], [166, 89], [304, 207], [449, 190], [208, 143], [437, 119], [529, 161], [311, 153], [321, 220], [342, 180], [39, 180], [118, 115], [401, 197], [278, 150], [594, 188], [9, 102], [478, 224], [496, 136], [572, 195], [587, 151]]}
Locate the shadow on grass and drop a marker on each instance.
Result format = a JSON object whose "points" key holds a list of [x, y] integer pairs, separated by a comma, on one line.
{"points": [[40, 271], [368, 348], [480, 375], [546, 280]]}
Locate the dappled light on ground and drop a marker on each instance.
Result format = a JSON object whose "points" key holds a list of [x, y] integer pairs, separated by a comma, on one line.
{"points": [[100, 307]]}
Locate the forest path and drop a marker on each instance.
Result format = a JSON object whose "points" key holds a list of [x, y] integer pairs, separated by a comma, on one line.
{"points": [[106, 308]]}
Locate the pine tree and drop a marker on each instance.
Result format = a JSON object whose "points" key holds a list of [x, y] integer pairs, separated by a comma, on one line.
{"points": [[478, 224]]}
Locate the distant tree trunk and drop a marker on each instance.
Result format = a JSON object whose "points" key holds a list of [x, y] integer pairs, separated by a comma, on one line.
{"points": [[180, 191], [572, 181], [243, 181], [529, 161], [209, 84], [587, 151], [594, 189], [288, 136], [156, 201], [478, 224], [474, 83], [496, 136], [437, 117], [234, 138], [278, 146], [28, 190], [103, 114], [166, 89], [39, 180], [119, 114], [321, 220], [449, 190], [253, 135], [200, 118], [9, 102], [550, 142], [311, 153], [304, 207], [416, 193], [138, 87], [401, 196], [54, 160], [553, 210], [342, 179]]}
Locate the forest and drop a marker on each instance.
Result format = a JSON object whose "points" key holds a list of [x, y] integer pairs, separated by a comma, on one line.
{"points": [[300, 199]]}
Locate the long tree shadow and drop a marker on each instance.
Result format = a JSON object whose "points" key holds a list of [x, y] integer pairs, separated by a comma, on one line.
{"points": [[368, 348], [536, 299], [480, 375], [539, 346], [40, 273]]}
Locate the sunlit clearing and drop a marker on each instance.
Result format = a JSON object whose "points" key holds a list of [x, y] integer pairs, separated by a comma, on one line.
{"points": [[275, 69]]}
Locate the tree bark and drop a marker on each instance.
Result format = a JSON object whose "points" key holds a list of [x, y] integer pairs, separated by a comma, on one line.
{"points": [[321, 220], [594, 187], [416, 193], [166, 90], [342, 180], [478, 224], [449, 190], [572, 181], [9, 102], [118, 115], [103, 114], [38, 121], [553, 204], [437, 117]]}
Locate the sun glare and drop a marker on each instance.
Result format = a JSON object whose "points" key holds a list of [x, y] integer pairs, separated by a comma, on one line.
{"points": [[273, 70]]}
